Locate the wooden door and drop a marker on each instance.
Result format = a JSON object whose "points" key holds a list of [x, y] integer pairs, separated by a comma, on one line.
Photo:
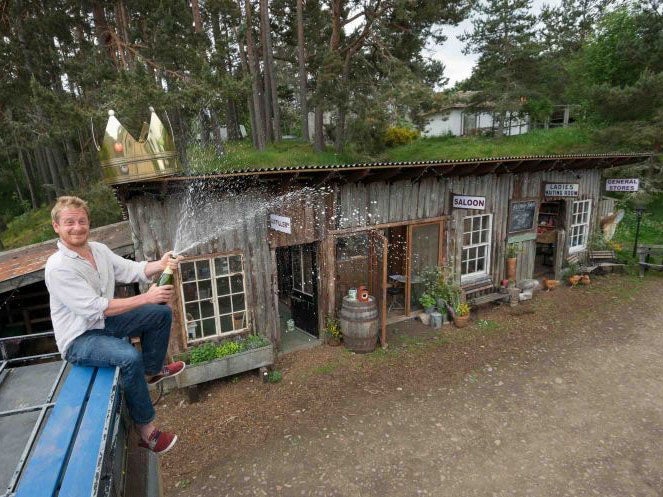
{"points": [[378, 278]]}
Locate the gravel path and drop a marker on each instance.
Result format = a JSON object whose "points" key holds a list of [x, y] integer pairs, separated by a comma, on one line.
{"points": [[579, 412]]}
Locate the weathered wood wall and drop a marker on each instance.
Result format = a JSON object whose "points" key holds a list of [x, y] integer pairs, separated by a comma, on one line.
{"points": [[244, 218], [154, 223], [382, 203]]}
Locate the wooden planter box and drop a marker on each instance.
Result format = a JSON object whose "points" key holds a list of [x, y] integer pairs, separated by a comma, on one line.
{"points": [[220, 368]]}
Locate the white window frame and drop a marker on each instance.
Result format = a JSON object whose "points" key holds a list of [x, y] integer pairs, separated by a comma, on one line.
{"points": [[215, 298], [579, 231], [488, 244], [298, 258]]}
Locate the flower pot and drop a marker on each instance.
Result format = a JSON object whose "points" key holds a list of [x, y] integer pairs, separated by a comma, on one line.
{"points": [[333, 341], [424, 318], [461, 321], [511, 268]]}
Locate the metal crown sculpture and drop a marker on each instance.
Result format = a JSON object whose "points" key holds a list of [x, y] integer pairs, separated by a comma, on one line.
{"points": [[125, 159]]}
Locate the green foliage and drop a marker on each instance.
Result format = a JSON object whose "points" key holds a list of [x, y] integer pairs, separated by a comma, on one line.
{"points": [[513, 249], [228, 348], [274, 376], [462, 309], [210, 350], [427, 300], [34, 226], [395, 136], [203, 353], [333, 327], [537, 142]]}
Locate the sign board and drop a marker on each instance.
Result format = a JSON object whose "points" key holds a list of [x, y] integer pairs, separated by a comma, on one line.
{"points": [[467, 202], [522, 215], [561, 189], [280, 223], [622, 185]]}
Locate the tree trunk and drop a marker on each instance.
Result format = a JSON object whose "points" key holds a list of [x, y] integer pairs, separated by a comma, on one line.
{"points": [[197, 19], [270, 73], [234, 132], [301, 56], [102, 30], [252, 111], [252, 63], [319, 141], [28, 179]]}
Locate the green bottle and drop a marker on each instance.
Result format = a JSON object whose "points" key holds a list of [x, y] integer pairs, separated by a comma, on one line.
{"points": [[166, 277]]}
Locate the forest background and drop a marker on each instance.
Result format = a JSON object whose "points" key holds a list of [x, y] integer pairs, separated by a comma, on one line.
{"points": [[354, 69]]}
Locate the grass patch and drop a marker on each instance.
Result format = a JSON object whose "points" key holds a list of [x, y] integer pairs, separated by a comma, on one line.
{"points": [[327, 368], [538, 142], [242, 156]]}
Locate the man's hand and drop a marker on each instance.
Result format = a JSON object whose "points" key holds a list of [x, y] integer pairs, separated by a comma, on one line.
{"points": [[168, 260], [159, 294]]}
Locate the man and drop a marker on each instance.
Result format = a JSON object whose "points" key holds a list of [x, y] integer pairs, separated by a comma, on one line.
{"points": [[91, 326]]}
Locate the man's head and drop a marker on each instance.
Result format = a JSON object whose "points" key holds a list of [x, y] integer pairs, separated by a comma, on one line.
{"points": [[71, 220]]}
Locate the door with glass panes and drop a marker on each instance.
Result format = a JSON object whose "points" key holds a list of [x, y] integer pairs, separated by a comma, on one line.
{"points": [[213, 294], [304, 300]]}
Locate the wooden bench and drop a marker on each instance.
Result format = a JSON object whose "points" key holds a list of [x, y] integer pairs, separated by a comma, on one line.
{"points": [[604, 259], [481, 292], [577, 259], [645, 254], [68, 456]]}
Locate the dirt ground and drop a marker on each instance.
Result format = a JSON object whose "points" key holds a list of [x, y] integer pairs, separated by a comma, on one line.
{"points": [[558, 396]]}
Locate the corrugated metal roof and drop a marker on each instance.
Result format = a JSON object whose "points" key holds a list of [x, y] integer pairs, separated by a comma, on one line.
{"points": [[25, 265], [452, 167]]}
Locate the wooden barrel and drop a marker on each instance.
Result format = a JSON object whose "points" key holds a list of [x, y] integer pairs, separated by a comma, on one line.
{"points": [[359, 325]]}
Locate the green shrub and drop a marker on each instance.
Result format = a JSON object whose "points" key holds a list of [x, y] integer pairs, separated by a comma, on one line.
{"points": [[396, 136], [255, 342], [274, 376], [203, 353], [228, 348], [210, 350]]}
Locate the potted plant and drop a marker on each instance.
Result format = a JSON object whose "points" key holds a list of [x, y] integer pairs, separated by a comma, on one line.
{"points": [[427, 301], [512, 251], [333, 331], [462, 314]]}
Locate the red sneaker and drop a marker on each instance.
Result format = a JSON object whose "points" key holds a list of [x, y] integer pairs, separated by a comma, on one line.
{"points": [[172, 369], [159, 442]]}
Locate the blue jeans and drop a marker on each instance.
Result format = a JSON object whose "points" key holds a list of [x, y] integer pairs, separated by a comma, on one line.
{"points": [[109, 347]]}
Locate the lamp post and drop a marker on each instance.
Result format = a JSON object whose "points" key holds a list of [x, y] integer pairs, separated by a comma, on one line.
{"points": [[639, 210]]}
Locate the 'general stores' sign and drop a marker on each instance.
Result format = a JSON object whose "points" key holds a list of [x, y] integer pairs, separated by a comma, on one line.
{"points": [[280, 223], [466, 202], [561, 190], [622, 185]]}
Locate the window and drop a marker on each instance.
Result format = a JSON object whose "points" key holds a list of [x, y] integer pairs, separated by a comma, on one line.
{"points": [[214, 296], [475, 259], [302, 269], [580, 225]]}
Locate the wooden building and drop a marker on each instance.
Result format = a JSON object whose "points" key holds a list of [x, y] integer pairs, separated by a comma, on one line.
{"points": [[260, 243]]}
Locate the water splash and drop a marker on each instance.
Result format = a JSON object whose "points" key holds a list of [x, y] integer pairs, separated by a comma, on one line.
{"points": [[208, 213]]}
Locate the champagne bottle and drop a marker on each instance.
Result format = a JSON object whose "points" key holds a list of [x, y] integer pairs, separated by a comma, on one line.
{"points": [[166, 277]]}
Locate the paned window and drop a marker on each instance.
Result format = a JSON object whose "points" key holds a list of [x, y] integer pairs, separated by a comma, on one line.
{"points": [[213, 293], [475, 259], [302, 269], [580, 225]]}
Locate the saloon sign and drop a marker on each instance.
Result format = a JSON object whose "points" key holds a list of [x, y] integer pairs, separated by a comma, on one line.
{"points": [[622, 185], [561, 189], [466, 202], [280, 223]]}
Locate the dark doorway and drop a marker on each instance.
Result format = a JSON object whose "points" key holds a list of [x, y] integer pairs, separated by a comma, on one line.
{"points": [[297, 278]]}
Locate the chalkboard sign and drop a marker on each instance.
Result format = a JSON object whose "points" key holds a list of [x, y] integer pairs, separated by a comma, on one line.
{"points": [[522, 215]]}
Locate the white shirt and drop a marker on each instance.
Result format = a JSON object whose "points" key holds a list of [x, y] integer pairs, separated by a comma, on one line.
{"points": [[79, 294]]}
